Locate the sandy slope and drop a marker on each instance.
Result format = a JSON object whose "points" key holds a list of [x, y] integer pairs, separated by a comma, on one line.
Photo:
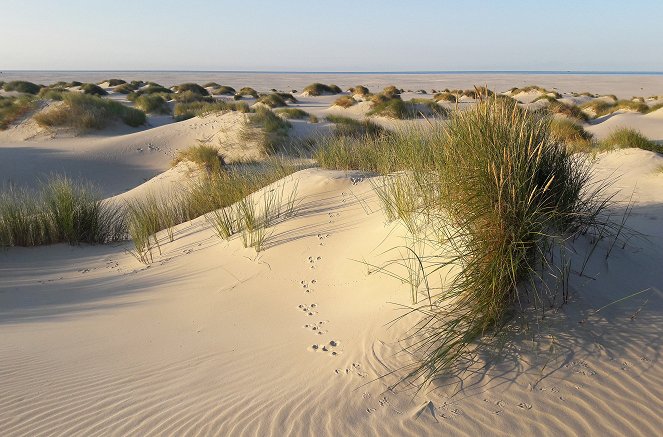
{"points": [[651, 125], [114, 159], [213, 340]]}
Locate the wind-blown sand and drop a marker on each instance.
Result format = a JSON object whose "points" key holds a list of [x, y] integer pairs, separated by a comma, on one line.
{"points": [[212, 339]]}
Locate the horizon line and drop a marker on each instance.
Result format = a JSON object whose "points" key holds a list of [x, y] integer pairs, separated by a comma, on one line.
{"points": [[560, 72]]}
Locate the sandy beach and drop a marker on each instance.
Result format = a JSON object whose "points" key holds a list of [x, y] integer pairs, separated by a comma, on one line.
{"points": [[301, 338]]}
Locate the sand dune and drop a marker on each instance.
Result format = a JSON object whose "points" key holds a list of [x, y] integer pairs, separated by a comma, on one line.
{"points": [[212, 339]]}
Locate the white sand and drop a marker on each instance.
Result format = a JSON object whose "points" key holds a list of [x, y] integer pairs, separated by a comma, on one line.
{"points": [[212, 339]]}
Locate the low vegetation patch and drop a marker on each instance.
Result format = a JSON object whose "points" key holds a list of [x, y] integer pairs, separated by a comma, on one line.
{"points": [[266, 129], [292, 113], [190, 97], [346, 126], [345, 101], [247, 91], [572, 111], [22, 86], [445, 97], [626, 137], [92, 89], [13, 108], [191, 87], [223, 91], [360, 90], [52, 93], [184, 111], [601, 107], [60, 211], [115, 82], [82, 111], [320, 89], [152, 104], [206, 157], [574, 136], [128, 88], [273, 100]]}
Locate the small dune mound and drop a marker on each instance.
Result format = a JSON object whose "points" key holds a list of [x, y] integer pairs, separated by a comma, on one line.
{"points": [[54, 93], [223, 90], [92, 89], [445, 96], [360, 90], [205, 156], [572, 111], [602, 106], [391, 91], [127, 88], [247, 91], [191, 96], [292, 113], [22, 86], [320, 89], [211, 85], [184, 111], [152, 104], [627, 137], [114, 82], [349, 127], [266, 129], [574, 136], [273, 100], [83, 111], [13, 108], [345, 101], [191, 87]]}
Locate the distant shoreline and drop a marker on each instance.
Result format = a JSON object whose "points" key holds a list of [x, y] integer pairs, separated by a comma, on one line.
{"points": [[423, 72]]}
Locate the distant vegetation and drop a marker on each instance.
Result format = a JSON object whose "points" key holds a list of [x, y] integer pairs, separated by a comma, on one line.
{"points": [[115, 82], [319, 89], [184, 111], [224, 91], [152, 104], [192, 87], [82, 111], [52, 93], [445, 97], [273, 100], [247, 91], [349, 127], [22, 86], [345, 101], [95, 90], [360, 90], [601, 107]]}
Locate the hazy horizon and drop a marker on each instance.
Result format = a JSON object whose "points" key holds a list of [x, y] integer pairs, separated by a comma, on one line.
{"points": [[342, 36]]}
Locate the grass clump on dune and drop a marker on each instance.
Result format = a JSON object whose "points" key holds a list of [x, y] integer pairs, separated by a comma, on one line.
{"points": [[345, 101], [52, 93], [247, 91], [568, 110], [320, 89], [292, 113], [626, 137], [92, 89], [60, 211], [192, 87], [82, 111], [216, 195], [211, 85], [266, 129], [127, 88], [273, 100], [190, 97], [395, 108], [184, 111], [496, 198], [601, 107], [346, 126], [22, 86], [223, 91], [445, 97], [13, 108], [152, 104], [205, 156], [360, 90], [115, 82], [574, 136]]}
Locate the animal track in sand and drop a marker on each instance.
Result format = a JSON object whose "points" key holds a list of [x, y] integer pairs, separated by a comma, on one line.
{"points": [[317, 327], [331, 348], [308, 309], [323, 237], [355, 369], [580, 367], [308, 286], [313, 260]]}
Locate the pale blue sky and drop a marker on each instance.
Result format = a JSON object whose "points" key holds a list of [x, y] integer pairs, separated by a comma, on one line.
{"points": [[312, 35]]}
